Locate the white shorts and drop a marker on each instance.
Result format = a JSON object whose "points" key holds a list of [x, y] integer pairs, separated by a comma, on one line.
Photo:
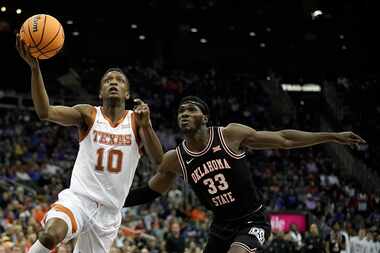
{"points": [[94, 225]]}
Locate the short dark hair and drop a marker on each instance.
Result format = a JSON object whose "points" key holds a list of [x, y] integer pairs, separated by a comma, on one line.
{"points": [[114, 69], [110, 70], [197, 101]]}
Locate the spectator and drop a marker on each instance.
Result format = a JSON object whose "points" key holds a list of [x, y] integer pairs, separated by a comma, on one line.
{"points": [[313, 241], [175, 243]]}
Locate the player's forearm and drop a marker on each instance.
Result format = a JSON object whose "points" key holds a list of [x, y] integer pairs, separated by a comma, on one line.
{"points": [[39, 95], [152, 144], [141, 196], [299, 139]]}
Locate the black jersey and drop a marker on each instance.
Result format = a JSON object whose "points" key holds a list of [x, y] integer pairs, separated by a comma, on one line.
{"points": [[220, 178]]}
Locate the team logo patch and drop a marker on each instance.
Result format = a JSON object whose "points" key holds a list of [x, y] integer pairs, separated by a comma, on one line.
{"points": [[216, 149], [259, 233]]}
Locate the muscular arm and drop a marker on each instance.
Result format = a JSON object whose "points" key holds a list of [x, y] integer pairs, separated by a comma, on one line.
{"points": [[159, 184], [63, 115], [151, 143], [246, 137]]}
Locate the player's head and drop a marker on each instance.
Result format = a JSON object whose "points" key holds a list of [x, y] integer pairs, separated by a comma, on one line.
{"points": [[314, 229], [193, 113], [114, 85]]}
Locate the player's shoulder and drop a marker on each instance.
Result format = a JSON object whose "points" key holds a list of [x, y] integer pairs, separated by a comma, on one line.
{"points": [[235, 128], [170, 155], [170, 161], [88, 113], [85, 108]]}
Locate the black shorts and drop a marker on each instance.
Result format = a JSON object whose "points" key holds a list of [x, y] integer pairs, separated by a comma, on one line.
{"points": [[250, 233]]}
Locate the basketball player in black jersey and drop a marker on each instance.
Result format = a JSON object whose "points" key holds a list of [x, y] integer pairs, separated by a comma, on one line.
{"points": [[212, 161]]}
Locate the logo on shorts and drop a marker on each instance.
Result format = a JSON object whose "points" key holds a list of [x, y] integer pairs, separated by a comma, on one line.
{"points": [[259, 233]]}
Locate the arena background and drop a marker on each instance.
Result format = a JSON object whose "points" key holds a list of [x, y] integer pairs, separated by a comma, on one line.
{"points": [[309, 65]]}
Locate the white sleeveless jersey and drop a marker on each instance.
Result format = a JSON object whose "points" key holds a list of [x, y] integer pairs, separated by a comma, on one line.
{"points": [[107, 160]]}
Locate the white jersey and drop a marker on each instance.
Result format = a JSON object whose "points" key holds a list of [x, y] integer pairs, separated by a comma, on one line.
{"points": [[107, 160], [357, 245]]}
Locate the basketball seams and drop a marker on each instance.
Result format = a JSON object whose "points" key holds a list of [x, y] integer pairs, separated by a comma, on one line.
{"points": [[30, 34], [43, 31], [55, 36]]}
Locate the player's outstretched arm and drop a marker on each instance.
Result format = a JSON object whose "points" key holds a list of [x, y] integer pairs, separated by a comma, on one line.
{"points": [[159, 184], [63, 115], [287, 139], [152, 144]]}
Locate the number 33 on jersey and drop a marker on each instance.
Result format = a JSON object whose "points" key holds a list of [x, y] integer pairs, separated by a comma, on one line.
{"points": [[107, 159]]}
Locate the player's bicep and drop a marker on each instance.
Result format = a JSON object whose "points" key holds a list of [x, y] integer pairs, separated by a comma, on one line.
{"points": [[264, 140], [162, 181], [166, 173], [65, 115]]}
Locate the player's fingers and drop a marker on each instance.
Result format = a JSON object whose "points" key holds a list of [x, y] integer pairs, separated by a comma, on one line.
{"points": [[358, 138], [25, 49], [138, 101]]}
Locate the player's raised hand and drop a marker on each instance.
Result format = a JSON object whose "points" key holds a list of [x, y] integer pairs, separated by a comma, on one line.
{"points": [[142, 113], [349, 138], [23, 50]]}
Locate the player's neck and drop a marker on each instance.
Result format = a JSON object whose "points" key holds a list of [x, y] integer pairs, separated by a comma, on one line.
{"points": [[198, 140], [114, 110]]}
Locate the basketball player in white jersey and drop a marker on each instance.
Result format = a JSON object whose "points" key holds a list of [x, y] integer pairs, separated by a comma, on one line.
{"points": [[108, 155]]}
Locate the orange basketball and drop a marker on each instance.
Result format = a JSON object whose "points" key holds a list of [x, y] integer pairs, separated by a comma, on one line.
{"points": [[43, 34]]}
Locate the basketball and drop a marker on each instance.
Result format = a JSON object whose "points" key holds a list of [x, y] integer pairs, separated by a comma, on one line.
{"points": [[44, 35]]}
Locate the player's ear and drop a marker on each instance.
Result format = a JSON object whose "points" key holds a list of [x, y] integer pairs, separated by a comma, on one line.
{"points": [[100, 91], [205, 119], [127, 96]]}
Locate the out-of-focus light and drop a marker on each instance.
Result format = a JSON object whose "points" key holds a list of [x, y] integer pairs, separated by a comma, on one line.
{"points": [[76, 33], [18, 11], [262, 45], [344, 47], [295, 87], [203, 40], [3, 9], [316, 13], [341, 36], [193, 30], [268, 29], [134, 26], [69, 22], [252, 34], [142, 37]]}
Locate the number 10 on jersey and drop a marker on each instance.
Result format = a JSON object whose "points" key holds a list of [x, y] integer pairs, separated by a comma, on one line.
{"points": [[111, 160]]}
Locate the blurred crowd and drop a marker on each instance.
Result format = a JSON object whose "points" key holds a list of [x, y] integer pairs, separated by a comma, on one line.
{"points": [[36, 160], [361, 111]]}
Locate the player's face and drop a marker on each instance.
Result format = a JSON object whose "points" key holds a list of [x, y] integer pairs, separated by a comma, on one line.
{"points": [[190, 117], [114, 85]]}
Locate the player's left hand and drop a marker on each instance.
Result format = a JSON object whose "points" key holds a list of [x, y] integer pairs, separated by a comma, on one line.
{"points": [[348, 138], [142, 113]]}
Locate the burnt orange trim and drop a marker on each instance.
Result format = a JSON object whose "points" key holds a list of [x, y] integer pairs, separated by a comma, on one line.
{"points": [[118, 121], [83, 134], [61, 208], [135, 132]]}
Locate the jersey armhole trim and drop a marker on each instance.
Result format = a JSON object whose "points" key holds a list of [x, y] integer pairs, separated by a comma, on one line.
{"points": [[83, 134], [181, 162], [226, 148]]}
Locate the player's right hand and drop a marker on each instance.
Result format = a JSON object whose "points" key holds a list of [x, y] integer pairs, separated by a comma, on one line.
{"points": [[23, 50]]}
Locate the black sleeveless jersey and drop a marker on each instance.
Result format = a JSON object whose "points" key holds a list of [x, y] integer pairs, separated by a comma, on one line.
{"points": [[220, 178]]}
